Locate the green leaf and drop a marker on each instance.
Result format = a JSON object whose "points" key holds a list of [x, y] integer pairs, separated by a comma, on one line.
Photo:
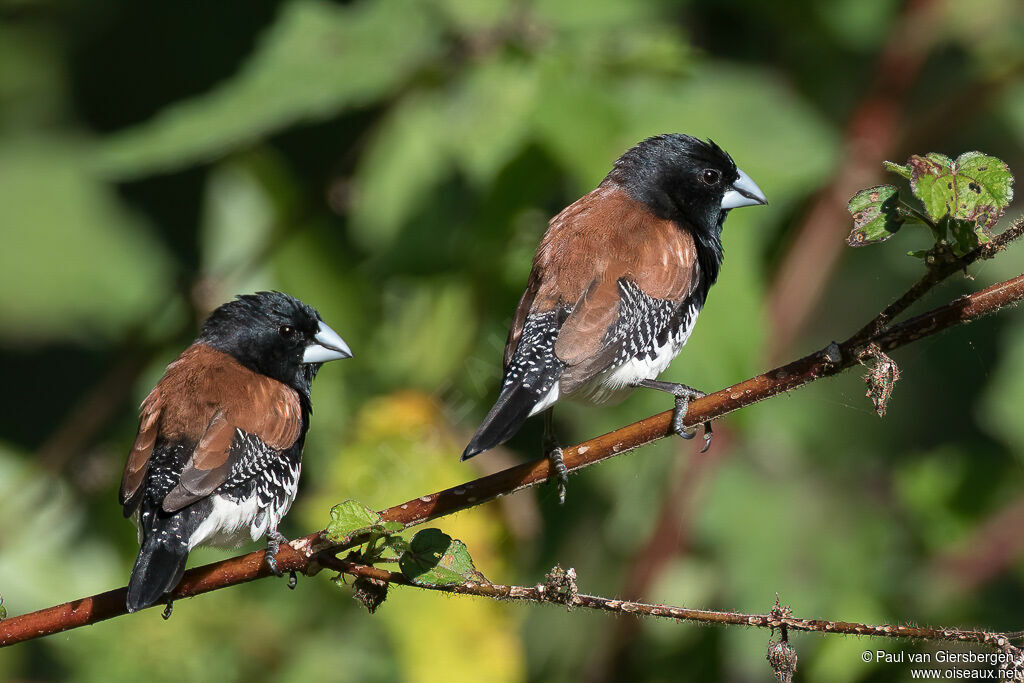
{"points": [[397, 544], [3, 610], [436, 559], [350, 519], [75, 263], [494, 101], [392, 527], [876, 215], [577, 120], [318, 59], [919, 253], [899, 169], [975, 187], [407, 157], [964, 235]]}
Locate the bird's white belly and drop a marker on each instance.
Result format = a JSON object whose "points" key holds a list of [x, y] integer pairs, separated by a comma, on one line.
{"points": [[614, 385], [232, 523], [639, 369], [228, 525]]}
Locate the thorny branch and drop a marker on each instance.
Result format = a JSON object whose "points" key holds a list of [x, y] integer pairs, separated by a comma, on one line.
{"points": [[560, 588], [309, 553]]}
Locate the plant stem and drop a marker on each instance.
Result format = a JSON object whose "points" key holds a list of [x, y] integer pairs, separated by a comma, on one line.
{"points": [[777, 619]]}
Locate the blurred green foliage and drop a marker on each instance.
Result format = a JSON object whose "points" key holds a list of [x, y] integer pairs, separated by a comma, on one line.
{"points": [[393, 163]]}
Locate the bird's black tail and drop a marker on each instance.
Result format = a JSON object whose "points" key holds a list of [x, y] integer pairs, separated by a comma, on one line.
{"points": [[161, 560], [507, 414], [529, 377]]}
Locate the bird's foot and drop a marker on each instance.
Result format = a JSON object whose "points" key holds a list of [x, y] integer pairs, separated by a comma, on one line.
{"points": [[561, 472], [168, 610], [683, 398], [274, 540], [684, 395]]}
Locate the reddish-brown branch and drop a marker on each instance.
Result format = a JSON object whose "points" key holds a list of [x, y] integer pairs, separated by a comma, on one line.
{"points": [[302, 554]]}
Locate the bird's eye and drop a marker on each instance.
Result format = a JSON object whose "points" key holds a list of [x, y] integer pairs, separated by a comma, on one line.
{"points": [[286, 331], [710, 176]]}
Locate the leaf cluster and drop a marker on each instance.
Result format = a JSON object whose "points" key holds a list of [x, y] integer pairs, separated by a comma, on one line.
{"points": [[431, 558], [962, 200]]}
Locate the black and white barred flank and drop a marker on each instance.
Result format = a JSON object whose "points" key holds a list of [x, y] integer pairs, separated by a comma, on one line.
{"points": [[648, 335], [534, 366]]}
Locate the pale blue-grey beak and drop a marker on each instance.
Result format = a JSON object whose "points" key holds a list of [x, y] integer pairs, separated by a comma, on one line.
{"points": [[326, 345], [744, 192]]}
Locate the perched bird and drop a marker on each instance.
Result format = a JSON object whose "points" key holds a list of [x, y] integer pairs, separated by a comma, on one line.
{"points": [[617, 283], [219, 447]]}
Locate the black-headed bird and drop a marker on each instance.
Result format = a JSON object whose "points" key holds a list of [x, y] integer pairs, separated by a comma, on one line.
{"points": [[219, 448], [617, 284]]}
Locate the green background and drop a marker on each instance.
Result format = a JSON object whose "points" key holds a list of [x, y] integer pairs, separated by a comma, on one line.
{"points": [[394, 163]]}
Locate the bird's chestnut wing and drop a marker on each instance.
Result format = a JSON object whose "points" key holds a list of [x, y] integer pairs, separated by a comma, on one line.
{"points": [[269, 411]]}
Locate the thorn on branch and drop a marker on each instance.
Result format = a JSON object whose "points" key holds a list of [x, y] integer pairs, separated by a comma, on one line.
{"points": [[883, 373], [560, 586], [833, 354], [781, 654], [370, 593], [780, 612]]}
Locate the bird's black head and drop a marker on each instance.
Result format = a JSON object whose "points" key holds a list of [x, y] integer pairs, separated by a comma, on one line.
{"points": [[691, 182], [275, 335], [687, 180]]}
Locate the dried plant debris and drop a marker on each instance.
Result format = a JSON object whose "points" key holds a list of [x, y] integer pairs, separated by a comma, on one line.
{"points": [[560, 586], [883, 373], [782, 658], [369, 592]]}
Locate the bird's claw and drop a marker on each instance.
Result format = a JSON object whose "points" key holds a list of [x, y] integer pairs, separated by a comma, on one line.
{"points": [[679, 417], [168, 610], [293, 580], [561, 472], [272, 563], [274, 541]]}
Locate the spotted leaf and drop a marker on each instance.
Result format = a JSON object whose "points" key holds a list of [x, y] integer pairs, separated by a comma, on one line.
{"points": [[876, 215], [976, 187]]}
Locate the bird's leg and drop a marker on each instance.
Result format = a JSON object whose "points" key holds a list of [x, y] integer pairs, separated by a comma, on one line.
{"points": [[684, 395], [274, 540], [554, 453]]}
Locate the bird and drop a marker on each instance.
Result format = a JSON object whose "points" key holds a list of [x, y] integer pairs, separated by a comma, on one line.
{"points": [[616, 286], [219, 448]]}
